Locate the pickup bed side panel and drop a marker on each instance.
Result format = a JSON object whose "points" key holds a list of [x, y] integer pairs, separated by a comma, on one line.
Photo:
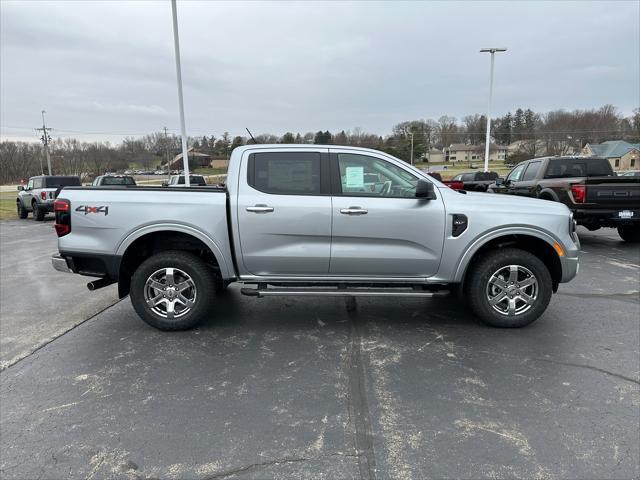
{"points": [[107, 221]]}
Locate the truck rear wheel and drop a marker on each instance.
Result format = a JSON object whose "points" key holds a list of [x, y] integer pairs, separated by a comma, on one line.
{"points": [[508, 288], [38, 213], [172, 290], [629, 233]]}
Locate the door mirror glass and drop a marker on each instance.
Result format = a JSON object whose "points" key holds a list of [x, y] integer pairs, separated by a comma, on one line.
{"points": [[20, 188], [165, 184], [425, 190], [499, 181]]}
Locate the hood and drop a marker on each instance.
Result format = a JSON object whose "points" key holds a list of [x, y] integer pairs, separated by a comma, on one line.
{"points": [[495, 202]]}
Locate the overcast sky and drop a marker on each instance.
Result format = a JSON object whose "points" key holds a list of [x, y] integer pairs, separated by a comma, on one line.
{"points": [[104, 70]]}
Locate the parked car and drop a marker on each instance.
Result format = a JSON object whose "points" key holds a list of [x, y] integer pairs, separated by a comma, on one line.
{"points": [[114, 180], [290, 223], [475, 181], [630, 173], [38, 195], [587, 185], [177, 180]]}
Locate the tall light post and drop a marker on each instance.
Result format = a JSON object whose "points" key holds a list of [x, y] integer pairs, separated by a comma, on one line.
{"points": [[411, 147], [492, 51], [183, 128]]}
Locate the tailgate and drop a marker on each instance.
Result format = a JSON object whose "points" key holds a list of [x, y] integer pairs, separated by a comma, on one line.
{"points": [[614, 191]]}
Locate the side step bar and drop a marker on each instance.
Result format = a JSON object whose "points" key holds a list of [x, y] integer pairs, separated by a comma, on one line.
{"points": [[341, 292]]}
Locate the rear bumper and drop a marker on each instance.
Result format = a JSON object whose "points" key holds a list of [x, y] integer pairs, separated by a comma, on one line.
{"points": [[60, 264], [606, 217], [91, 265]]}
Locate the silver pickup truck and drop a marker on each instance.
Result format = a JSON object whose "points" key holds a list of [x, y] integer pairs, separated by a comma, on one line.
{"points": [[313, 220]]}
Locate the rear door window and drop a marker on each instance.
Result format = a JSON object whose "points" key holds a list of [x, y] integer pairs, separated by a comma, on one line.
{"points": [[285, 173], [532, 171]]}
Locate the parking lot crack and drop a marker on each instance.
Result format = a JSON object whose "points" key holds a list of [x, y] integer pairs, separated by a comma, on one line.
{"points": [[358, 408], [16, 360], [568, 364], [275, 462]]}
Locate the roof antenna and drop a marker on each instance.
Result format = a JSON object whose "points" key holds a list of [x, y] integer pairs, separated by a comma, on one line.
{"points": [[254, 140]]}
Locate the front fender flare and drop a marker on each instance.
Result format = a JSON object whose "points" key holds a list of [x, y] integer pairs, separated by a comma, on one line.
{"points": [[479, 242]]}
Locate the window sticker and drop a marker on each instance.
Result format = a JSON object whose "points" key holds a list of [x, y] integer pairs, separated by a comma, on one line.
{"points": [[355, 177]]}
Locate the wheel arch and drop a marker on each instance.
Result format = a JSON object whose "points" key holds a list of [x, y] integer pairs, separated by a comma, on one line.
{"points": [[548, 194], [143, 243], [534, 241]]}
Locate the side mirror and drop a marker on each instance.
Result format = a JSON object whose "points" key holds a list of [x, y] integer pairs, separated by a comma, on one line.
{"points": [[425, 190], [165, 184], [499, 182], [20, 188]]}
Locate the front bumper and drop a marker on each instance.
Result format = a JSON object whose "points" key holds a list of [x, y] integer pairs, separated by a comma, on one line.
{"points": [[60, 263], [570, 268]]}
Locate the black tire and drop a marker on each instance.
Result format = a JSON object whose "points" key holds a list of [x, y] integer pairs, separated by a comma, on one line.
{"points": [[38, 213], [477, 288], [629, 233], [202, 276], [22, 212]]}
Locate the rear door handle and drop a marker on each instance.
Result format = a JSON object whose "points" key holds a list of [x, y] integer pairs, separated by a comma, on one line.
{"points": [[354, 211], [260, 209]]}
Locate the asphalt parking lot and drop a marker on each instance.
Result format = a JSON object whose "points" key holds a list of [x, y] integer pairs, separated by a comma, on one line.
{"points": [[301, 388]]}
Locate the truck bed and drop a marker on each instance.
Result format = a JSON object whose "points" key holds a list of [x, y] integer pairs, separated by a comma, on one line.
{"points": [[105, 220]]}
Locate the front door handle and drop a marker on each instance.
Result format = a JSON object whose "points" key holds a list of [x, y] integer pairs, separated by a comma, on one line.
{"points": [[354, 211], [260, 209]]}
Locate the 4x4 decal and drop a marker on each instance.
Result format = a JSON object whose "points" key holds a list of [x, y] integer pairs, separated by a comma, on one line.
{"points": [[88, 209]]}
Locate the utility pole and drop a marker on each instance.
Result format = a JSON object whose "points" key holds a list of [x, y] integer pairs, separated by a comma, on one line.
{"points": [[46, 138], [183, 128], [486, 147]]}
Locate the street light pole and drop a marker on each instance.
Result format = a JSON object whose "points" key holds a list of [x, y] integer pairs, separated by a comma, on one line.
{"points": [[411, 148], [487, 139], [183, 128]]}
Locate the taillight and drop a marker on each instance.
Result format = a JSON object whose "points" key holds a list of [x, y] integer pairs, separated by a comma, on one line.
{"points": [[62, 209], [43, 195], [579, 192]]}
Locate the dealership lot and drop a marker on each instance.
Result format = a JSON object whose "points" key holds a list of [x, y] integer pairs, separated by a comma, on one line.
{"points": [[288, 387]]}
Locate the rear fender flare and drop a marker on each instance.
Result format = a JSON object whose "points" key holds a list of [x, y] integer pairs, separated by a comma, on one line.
{"points": [[548, 192], [173, 227]]}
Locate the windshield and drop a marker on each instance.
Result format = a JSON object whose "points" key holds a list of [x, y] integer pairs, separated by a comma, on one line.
{"points": [[55, 182], [579, 167]]}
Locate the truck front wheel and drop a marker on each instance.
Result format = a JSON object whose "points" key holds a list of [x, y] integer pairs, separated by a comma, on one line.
{"points": [[508, 288], [172, 290], [629, 233]]}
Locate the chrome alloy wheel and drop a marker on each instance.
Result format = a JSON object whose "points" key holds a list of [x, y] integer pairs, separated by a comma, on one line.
{"points": [[512, 290], [170, 293]]}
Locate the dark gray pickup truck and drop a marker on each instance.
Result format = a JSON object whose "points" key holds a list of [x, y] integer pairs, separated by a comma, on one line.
{"points": [[587, 185]]}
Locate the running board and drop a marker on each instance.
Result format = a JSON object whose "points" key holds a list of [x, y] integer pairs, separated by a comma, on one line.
{"points": [[341, 292]]}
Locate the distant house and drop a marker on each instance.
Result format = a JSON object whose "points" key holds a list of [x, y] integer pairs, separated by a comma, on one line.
{"points": [[622, 155], [196, 160], [461, 152], [435, 156]]}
